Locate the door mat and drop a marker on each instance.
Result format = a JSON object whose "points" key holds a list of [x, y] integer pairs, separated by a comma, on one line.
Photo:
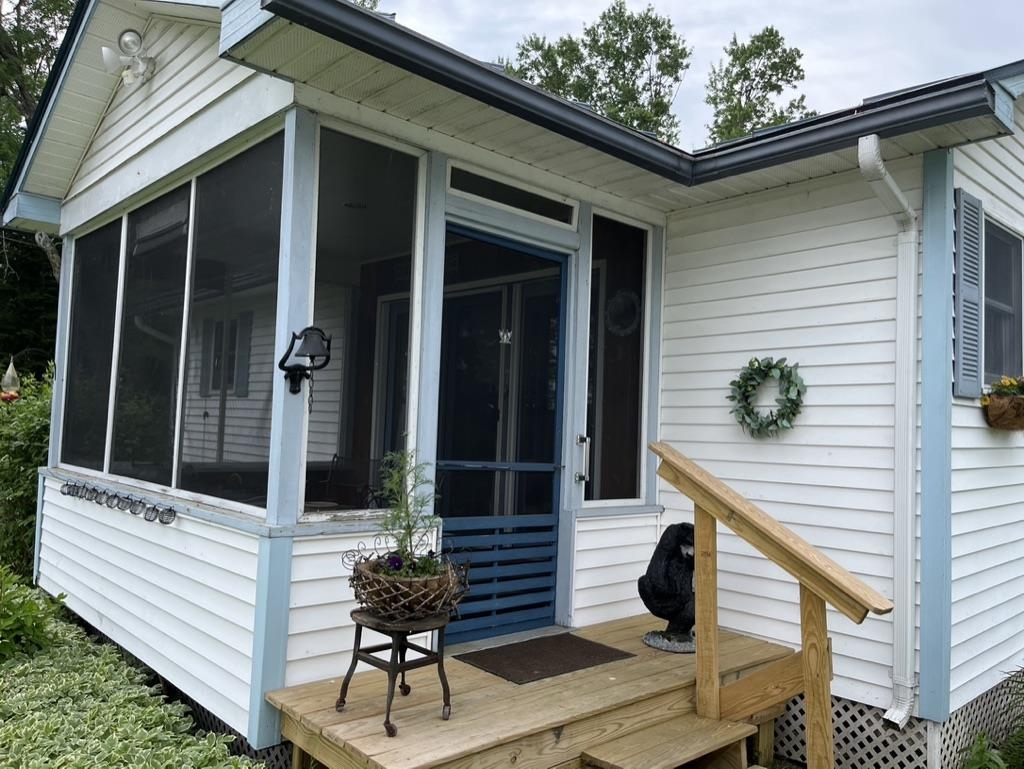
{"points": [[542, 657]]}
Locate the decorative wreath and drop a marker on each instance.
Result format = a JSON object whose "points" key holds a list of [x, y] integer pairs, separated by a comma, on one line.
{"points": [[744, 393]]}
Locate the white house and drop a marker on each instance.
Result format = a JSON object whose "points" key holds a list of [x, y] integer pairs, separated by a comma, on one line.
{"points": [[527, 293]]}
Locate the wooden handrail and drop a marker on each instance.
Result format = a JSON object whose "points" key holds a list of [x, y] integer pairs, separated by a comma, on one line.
{"points": [[802, 560], [821, 580]]}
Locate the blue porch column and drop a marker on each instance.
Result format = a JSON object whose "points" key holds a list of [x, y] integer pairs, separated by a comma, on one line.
{"points": [[285, 490], [936, 435]]}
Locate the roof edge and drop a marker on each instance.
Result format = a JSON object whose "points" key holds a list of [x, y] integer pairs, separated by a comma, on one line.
{"points": [[380, 37], [76, 23]]}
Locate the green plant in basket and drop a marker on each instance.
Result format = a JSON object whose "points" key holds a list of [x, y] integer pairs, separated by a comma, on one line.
{"points": [[409, 494], [403, 578]]}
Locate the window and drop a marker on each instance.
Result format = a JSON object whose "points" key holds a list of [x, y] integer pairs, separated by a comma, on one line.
{"points": [[90, 346], [219, 263], [150, 339], [513, 197], [366, 217], [615, 372], [1003, 317]]}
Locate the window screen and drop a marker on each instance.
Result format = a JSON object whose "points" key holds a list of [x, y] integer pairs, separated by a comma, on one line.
{"points": [[147, 370], [1003, 320], [506, 194], [229, 365], [615, 373], [90, 346]]}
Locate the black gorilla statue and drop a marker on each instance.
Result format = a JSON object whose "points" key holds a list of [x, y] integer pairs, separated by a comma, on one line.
{"points": [[667, 589]]}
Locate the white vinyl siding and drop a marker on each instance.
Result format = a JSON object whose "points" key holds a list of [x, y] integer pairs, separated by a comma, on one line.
{"points": [[320, 632], [194, 102], [612, 552], [179, 597], [988, 482], [247, 419], [807, 273]]}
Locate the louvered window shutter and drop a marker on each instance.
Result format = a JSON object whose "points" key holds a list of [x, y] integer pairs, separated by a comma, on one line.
{"points": [[242, 355], [967, 344]]}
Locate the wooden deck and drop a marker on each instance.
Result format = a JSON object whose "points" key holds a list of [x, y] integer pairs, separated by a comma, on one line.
{"points": [[494, 723]]}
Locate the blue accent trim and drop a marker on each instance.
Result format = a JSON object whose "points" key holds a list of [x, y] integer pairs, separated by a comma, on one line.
{"points": [[270, 638], [508, 242], [36, 211], [577, 345], [655, 301], [60, 354], [37, 545], [936, 436], [430, 294], [294, 312], [481, 217]]}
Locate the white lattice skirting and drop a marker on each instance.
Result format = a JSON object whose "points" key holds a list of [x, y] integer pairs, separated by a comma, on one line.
{"points": [[863, 740]]}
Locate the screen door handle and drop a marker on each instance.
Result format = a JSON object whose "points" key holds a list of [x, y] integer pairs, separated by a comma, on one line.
{"points": [[584, 441]]}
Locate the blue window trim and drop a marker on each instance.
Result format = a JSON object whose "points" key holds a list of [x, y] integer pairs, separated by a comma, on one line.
{"points": [[936, 436]]}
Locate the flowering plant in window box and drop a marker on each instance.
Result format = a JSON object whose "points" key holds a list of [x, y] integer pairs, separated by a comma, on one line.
{"points": [[406, 578], [1004, 403]]}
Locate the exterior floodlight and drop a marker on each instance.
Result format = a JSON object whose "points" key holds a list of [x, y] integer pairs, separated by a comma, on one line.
{"points": [[131, 64]]}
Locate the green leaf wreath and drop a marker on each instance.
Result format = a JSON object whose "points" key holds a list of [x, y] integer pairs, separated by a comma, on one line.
{"points": [[744, 394]]}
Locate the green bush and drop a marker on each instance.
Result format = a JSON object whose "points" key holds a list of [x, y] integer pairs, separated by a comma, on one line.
{"points": [[26, 617], [24, 438], [80, 706], [981, 754]]}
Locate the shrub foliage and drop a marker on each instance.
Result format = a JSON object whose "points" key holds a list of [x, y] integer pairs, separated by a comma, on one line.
{"points": [[24, 438], [79, 705], [25, 617]]}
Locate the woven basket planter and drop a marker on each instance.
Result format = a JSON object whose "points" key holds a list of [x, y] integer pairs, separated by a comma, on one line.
{"points": [[406, 598], [1005, 412]]}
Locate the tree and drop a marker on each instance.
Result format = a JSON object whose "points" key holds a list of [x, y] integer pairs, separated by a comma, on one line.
{"points": [[30, 33], [743, 91], [627, 66]]}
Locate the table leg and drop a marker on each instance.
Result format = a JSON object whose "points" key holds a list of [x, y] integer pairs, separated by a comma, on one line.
{"points": [[403, 647], [339, 705], [393, 666], [446, 710]]}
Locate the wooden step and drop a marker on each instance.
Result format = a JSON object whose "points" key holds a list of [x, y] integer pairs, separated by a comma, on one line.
{"points": [[675, 743]]}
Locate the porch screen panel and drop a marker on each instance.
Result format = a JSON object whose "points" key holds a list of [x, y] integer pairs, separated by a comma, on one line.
{"points": [[229, 364], [90, 347], [366, 215], [615, 372], [151, 316]]}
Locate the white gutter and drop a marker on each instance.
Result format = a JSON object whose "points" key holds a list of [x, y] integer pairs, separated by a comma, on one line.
{"points": [[904, 683]]}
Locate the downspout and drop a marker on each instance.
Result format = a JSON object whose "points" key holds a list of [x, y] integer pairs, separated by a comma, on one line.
{"points": [[904, 684]]}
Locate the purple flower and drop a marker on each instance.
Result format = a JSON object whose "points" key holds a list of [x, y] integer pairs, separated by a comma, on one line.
{"points": [[395, 562]]}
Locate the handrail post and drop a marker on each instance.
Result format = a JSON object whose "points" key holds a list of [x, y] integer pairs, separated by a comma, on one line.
{"points": [[705, 546], [817, 672]]}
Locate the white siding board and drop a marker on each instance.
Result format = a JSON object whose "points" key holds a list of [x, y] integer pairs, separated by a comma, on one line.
{"points": [[190, 81], [175, 596], [806, 272], [987, 485], [320, 631], [612, 552]]}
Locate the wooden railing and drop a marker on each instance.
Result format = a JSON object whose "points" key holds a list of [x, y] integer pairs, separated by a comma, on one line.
{"points": [[821, 580]]}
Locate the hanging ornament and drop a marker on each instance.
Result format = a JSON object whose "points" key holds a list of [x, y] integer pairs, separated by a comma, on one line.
{"points": [[10, 384]]}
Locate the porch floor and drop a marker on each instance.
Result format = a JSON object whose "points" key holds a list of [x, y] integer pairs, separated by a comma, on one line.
{"points": [[495, 723]]}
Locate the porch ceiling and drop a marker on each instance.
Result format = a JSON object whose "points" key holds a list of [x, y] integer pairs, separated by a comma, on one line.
{"points": [[294, 52]]}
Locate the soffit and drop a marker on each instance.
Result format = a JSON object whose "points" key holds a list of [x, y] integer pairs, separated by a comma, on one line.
{"points": [[293, 52]]}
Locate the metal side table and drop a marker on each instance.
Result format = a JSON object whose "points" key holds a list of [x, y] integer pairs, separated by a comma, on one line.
{"points": [[397, 664]]}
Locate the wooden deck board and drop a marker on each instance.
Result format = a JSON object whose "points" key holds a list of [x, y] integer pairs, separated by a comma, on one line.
{"points": [[495, 723]]}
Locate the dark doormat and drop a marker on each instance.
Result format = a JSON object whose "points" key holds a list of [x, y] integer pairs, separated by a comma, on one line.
{"points": [[542, 657]]}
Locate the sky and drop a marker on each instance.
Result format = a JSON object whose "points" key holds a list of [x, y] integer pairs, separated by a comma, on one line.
{"points": [[852, 48]]}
